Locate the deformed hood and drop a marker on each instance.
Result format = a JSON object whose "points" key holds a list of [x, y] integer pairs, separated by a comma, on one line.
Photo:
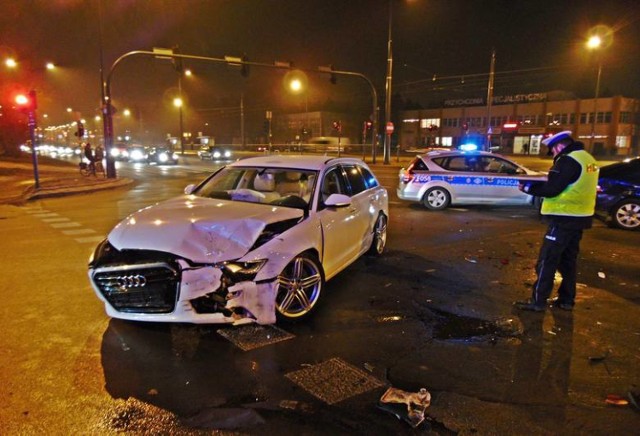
{"points": [[199, 229]]}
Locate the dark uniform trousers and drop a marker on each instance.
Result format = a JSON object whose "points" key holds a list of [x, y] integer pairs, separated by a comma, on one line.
{"points": [[559, 252]]}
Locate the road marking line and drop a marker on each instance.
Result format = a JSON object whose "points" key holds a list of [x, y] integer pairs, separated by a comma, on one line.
{"points": [[54, 220], [65, 225], [89, 239], [45, 215], [78, 232]]}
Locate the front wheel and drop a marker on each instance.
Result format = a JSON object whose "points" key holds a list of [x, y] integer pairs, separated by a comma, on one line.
{"points": [[299, 287], [379, 236], [436, 198], [626, 215]]}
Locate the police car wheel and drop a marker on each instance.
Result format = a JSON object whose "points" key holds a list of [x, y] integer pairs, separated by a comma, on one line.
{"points": [[436, 199], [626, 215]]}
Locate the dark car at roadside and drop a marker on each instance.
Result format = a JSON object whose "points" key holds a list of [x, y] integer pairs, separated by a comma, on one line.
{"points": [[618, 197]]}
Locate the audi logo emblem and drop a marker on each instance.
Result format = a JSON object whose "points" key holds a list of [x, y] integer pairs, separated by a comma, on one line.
{"points": [[135, 281]]}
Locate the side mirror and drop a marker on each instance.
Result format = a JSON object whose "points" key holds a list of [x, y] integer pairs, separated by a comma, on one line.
{"points": [[338, 200], [189, 189]]}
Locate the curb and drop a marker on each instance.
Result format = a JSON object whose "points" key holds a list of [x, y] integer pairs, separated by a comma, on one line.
{"points": [[70, 190]]}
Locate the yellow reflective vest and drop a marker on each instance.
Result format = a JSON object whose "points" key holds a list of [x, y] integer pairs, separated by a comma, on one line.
{"points": [[579, 198]]}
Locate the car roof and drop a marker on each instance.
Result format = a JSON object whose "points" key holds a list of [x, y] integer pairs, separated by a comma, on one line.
{"points": [[311, 162], [440, 153]]}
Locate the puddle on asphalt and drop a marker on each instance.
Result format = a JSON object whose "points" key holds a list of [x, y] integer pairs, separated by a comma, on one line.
{"points": [[450, 326]]}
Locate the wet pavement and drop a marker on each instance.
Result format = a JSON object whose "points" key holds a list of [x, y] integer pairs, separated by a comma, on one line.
{"points": [[434, 312]]}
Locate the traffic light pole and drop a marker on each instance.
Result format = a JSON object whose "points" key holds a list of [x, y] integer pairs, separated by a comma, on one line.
{"points": [[245, 64], [34, 156]]}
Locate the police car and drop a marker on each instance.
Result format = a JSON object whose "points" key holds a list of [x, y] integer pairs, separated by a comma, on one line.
{"points": [[442, 178]]}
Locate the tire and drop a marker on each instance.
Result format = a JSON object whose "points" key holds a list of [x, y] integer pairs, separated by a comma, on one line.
{"points": [[626, 215], [379, 236], [436, 198], [299, 287]]}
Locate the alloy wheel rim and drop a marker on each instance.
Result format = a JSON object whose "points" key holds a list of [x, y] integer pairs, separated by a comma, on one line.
{"points": [[299, 288]]}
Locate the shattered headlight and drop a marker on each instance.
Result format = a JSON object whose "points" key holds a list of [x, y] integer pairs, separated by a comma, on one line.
{"points": [[244, 271]]}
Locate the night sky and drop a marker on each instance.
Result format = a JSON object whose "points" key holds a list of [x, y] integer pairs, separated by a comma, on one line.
{"points": [[540, 47]]}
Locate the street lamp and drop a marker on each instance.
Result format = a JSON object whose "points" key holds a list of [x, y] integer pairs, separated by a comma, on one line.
{"points": [[177, 102], [298, 83], [600, 37], [387, 105]]}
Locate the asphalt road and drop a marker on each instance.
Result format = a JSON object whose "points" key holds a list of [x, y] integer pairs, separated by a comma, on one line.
{"points": [[434, 312]]}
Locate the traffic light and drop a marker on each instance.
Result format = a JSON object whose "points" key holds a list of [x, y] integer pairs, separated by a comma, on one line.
{"points": [[26, 103], [369, 124], [337, 126]]}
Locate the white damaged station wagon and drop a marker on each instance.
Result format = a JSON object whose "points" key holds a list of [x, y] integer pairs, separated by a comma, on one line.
{"points": [[254, 242]]}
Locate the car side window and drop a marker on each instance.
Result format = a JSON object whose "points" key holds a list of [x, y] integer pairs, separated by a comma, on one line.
{"points": [[356, 181], [369, 179], [332, 183]]}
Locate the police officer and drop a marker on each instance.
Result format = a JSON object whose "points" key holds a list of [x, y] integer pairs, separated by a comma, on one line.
{"points": [[568, 207]]}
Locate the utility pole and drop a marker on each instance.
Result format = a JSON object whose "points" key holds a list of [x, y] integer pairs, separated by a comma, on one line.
{"points": [[242, 138], [490, 98]]}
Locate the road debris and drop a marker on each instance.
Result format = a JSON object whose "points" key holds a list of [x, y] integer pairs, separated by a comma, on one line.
{"points": [[407, 406], [602, 275], [616, 400], [471, 259]]}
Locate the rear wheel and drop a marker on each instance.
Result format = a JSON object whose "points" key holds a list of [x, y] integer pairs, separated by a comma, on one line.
{"points": [[379, 236], [626, 215], [436, 198], [299, 287]]}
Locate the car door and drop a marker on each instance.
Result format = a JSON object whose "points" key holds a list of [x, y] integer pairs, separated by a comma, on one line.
{"points": [[340, 225], [500, 181]]}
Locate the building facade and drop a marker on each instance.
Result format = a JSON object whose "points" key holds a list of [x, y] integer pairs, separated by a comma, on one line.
{"points": [[517, 124]]}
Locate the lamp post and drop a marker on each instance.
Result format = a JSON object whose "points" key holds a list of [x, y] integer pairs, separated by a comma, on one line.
{"points": [[177, 102], [387, 106], [298, 84], [594, 43]]}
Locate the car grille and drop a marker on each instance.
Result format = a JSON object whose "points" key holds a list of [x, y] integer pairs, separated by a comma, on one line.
{"points": [[141, 288]]}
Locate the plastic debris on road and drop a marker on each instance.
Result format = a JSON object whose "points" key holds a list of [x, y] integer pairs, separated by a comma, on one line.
{"points": [[407, 406]]}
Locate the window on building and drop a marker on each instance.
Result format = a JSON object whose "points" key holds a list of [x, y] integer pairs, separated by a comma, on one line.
{"points": [[584, 118], [447, 141], [622, 141], [625, 117]]}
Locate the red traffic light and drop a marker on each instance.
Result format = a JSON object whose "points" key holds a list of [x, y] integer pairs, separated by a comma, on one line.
{"points": [[26, 102]]}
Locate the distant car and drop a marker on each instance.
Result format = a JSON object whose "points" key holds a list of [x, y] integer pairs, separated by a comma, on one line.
{"points": [[442, 178], [137, 153], [161, 156], [255, 242], [120, 151], [618, 197], [214, 152]]}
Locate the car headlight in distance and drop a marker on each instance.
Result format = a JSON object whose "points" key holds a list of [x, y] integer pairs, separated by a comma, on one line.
{"points": [[174, 156], [136, 155], [244, 271], [227, 153], [163, 157], [216, 154], [115, 152]]}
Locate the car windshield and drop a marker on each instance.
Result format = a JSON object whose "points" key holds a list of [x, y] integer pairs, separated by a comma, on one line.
{"points": [[276, 186]]}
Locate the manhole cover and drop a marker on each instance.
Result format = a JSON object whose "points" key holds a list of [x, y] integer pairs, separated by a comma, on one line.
{"points": [[334, 380], [253, 336]]}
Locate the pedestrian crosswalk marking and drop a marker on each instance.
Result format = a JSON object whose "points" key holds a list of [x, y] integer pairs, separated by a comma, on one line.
{"points": [[89, 239], [54, 220], [65, 225], [78, 232]]}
